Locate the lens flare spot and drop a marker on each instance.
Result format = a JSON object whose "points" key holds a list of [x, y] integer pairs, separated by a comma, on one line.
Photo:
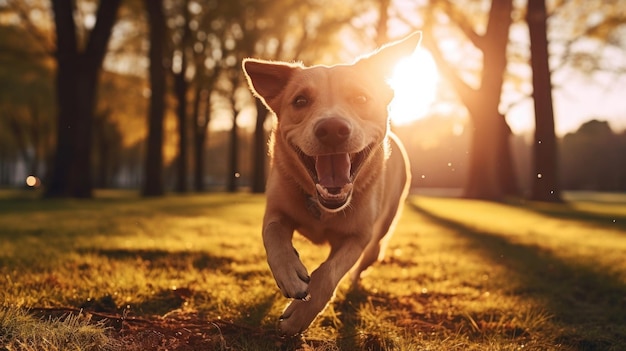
{"points": [[32, 181]]}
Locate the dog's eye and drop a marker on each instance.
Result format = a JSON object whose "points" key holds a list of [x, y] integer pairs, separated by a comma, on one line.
{"points": [[360, 99], [300, 101]]}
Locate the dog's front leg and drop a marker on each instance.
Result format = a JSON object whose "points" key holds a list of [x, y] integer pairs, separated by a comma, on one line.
{"points": [[324, 280], [289, 272]]}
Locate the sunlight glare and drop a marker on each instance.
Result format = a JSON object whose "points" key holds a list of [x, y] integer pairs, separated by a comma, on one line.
{"points": [[414, 82]]}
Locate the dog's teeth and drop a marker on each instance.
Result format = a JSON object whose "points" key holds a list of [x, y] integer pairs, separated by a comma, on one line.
{"points": [[322, 190], [328, 195]]}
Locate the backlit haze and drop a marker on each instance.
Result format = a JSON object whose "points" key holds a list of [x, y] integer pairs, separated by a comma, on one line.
{"points": [[414, 82]]}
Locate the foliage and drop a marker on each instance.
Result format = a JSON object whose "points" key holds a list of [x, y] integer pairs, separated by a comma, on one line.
{"points": [[26, 98], [582, 169], [190, 270], [584, 32]]}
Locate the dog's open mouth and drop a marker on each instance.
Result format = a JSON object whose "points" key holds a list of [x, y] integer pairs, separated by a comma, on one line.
{"points": [[334, 175]]}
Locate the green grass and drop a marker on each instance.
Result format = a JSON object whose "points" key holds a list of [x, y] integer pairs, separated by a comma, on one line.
{"points": [[189, 272]]}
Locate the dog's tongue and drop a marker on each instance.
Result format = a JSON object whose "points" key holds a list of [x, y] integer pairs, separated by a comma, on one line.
{"points": [[333, 171]]}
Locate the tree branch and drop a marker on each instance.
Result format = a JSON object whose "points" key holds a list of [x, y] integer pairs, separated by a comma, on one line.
{"points": [[99, 37], [459, 18], [463, 90], [30, 28]]}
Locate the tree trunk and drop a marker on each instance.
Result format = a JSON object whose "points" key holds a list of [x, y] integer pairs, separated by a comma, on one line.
{"points": [[180, 87], [80, 170], [233, 175], [491, 137], [491, 175], [545, 185], [180, 91], [259, 152], [100, 151], [506, 166], [153, 175], [35, 136], [67, 60], [488, 148], [202, 117], [76, 85]]}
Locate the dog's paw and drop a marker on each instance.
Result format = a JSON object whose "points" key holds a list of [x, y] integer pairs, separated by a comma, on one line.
{"points": [[297, 317], [291, 277]]}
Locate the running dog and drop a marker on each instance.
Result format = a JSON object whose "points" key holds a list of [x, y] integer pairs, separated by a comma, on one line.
{"points": [[338, 176]]}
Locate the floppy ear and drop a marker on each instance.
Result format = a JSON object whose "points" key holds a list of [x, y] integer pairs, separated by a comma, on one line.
{"points": [[267, 79], [383, 60]]}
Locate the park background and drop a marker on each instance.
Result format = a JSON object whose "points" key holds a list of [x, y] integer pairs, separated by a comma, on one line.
{"points": [[158, 102]]}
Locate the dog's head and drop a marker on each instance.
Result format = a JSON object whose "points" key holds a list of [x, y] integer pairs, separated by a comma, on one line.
{"points": [[331, 117]]}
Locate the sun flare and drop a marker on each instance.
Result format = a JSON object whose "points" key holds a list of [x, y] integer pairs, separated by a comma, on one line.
{"points": [[414, 82]]}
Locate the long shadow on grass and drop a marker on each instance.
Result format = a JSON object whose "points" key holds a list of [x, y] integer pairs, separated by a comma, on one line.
{"points": [[182, 260], [589, 302], [249, 330], [170, 204], [163, 258], [569, 212]]}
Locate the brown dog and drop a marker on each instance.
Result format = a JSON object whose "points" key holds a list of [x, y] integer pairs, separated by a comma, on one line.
{"points": [[338, 176]]}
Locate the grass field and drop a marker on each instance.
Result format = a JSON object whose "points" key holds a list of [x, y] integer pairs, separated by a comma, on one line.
{"points": [[188, 273]]}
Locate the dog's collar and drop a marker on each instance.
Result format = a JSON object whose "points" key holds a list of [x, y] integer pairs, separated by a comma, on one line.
{"points": [[312, 206]]}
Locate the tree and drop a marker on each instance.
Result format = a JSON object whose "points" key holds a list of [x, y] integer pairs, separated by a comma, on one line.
{"points": [[573, 16], [76, 84], [153, 174], [491, 175], [180, 58], [259, 148], [545, 185]]}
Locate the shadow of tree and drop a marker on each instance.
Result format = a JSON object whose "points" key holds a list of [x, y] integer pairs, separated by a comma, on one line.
{"points": [[348, 309], [568, 211], [165, 321], [589, 302], [130, 205], [160, 258], [358, 331]]}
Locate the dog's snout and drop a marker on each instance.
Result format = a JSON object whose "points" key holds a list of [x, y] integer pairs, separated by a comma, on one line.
{"points": [[333, 131]]}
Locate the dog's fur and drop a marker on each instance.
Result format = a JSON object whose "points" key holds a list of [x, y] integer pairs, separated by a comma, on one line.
{"points": [[338, 175]]}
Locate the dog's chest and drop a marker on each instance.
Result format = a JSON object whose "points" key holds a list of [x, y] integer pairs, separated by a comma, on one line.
{"points": [[320, 226]]}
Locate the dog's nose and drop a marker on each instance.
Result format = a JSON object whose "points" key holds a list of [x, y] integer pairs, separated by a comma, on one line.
{"points": [[332, 131]]}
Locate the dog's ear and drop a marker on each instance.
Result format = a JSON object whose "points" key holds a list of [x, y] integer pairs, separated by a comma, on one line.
{"points": [[267, 79], [383, 60]]}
